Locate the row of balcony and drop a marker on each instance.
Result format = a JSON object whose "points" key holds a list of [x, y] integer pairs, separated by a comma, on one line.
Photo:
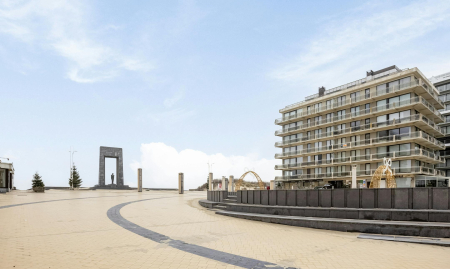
{"points": [[370, 111], [416, 153], [418, 119], [363, 173], [374, 94], [422, 137]]}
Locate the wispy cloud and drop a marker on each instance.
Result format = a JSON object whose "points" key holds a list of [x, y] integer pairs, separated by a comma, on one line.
{"points": [[170, 102], [346, 41], [63, 26]]}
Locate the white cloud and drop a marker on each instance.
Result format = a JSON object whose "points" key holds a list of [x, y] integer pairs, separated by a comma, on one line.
{"points": [[161, 164], [346, 41], [64, 26]]}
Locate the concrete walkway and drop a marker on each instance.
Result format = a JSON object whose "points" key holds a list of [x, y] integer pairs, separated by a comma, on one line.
{"points": [[162, 229]]}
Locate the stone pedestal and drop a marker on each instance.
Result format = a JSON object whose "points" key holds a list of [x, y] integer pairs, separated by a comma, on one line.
{"points": [[354, 184], [231, 184], [139, 174], [180, 183], [210, 181], [272, 185]]}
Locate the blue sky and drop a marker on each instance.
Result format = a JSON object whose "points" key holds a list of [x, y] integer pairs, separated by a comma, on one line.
{"points": [[178, 83]]}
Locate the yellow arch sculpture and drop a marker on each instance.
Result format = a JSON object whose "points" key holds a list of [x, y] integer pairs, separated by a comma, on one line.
{"points": [[390, 179], [262, 186]]}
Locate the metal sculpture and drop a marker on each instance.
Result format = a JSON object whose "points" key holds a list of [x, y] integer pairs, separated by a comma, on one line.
{"points": [[262, 186], [383, 169]]}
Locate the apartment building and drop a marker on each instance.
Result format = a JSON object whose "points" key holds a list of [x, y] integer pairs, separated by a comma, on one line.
{"points": [[442, 84], [390, 113]]}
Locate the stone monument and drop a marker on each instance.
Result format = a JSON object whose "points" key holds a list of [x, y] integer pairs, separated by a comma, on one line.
{"points": [[180, 183], [116, 153]]}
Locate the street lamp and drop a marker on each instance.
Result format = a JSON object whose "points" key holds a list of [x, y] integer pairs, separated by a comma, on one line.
{"points": [[71, 153]]}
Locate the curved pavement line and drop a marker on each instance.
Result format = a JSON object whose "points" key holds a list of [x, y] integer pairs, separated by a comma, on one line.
{"points": [[114, 215], [58, 200]]}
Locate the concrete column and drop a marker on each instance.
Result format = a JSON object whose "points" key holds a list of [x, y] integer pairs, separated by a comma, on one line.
{"points": [[139, 179], [272, 185], [180, 183], [230, 184], [354, 185], [224, 182], [210, 181]]}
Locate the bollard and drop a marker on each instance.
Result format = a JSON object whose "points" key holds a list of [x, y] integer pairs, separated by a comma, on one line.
{"points": [[210, 182], [180, 183], [139, 179]]}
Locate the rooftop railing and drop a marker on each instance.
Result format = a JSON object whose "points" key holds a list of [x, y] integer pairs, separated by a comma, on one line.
{"points": [[374, 93]]}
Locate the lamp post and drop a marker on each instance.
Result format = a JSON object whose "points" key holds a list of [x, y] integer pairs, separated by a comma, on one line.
{"points": [[71, 153]]}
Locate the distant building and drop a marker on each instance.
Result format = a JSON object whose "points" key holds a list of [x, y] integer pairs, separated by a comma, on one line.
{"points": [[442, 84], [390, 113], [6, 176]]}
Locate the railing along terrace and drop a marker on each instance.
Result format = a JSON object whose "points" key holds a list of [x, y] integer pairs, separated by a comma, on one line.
{"points": [[373, 93], [364, 142], [367, 157], [396, 171], [363, 112], [364, 127]]}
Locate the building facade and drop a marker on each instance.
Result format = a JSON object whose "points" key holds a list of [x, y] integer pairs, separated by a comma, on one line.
{"points": [[6, 176], [390, 113], [442, 84]]}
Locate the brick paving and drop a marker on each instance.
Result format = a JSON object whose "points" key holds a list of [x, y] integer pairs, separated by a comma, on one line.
{"points": [[62, 229]]}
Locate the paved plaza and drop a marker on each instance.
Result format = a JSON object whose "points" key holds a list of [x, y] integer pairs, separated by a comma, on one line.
{"points": [[162, 229]]}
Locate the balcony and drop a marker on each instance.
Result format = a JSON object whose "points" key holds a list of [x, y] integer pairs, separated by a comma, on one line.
{"points": [[417, 120], [416, 154], [421, 170], [417, 103], [420, 87], [419, 137]]}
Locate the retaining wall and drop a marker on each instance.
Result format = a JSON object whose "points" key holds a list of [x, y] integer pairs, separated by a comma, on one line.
{"points": [[401, 198]]}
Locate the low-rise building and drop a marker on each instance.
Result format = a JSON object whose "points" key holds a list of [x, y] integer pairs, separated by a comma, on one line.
{"points": [[6, 176]]}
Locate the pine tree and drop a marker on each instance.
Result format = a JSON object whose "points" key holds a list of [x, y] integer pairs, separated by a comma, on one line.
{"points": [[76, 178], [37, 181]]}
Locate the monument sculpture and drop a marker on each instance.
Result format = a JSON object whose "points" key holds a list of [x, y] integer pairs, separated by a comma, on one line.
{"points": [[116, 153], [384, 169]]}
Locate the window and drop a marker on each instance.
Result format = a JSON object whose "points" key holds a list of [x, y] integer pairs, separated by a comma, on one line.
{"points": [[308, 110], [340, 114], [367, 93], [354, 111], [367, 121], [340, 100], [367, 137], [328, 104], [354, 96], [367, 169], [318, 107], [355, 125]]}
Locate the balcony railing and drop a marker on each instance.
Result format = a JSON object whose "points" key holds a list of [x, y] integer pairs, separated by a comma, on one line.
{"points": [[360, 173], [360, 113], [366, 142], [365, 158], [367, 127], [373, 93]]}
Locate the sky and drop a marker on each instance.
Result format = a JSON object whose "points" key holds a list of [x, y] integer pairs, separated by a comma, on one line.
{"points": [[178, 84]]}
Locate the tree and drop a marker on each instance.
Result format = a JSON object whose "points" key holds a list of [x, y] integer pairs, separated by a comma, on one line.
{"points": [[37, 181], [75, 177]]}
